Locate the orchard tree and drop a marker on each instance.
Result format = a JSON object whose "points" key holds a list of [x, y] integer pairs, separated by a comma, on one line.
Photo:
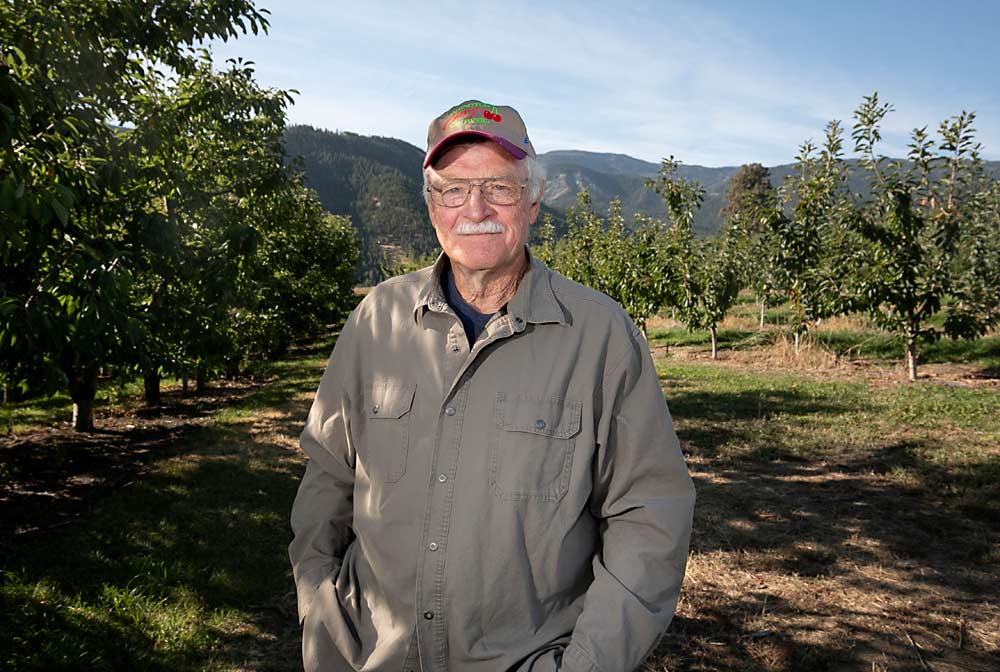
{"points": [[706, 272], [930, 230], [646, 281], [67, 69], [545, 250], [749, 192], [716, 270], [213, 174], [806, 262], [628, 266], [750, 200], [583, 251], [977, 288]]}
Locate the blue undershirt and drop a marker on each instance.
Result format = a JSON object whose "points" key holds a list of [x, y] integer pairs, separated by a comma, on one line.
{"points": [[472, 320]]}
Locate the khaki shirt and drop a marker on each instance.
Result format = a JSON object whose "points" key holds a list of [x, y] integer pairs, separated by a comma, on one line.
{"points": [[520, 505]]}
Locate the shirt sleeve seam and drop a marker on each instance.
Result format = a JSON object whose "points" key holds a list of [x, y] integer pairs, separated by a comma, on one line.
{"points": [[629, 351]]}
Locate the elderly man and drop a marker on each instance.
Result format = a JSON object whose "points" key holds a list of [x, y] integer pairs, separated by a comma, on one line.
{"points": [[494, 481]]}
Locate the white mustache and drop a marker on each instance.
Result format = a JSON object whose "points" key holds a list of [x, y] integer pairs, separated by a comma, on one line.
{"points": [[467, 228]]}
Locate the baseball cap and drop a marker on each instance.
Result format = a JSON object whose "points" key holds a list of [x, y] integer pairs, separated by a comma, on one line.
{"points": [[500, 123]]}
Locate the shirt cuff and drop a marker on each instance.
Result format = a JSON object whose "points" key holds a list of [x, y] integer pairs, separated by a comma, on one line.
{"points": [[575, 659]]}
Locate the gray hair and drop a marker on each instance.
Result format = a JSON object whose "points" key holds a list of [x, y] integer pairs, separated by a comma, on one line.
{"points": [[536, 179]]}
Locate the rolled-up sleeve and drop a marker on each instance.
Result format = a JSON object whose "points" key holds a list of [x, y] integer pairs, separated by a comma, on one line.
{"points": [[643, 498], [322, 513]]}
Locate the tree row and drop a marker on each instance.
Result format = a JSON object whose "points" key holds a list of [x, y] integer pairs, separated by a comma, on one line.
{"points": [[149, 223], [918, 252]]}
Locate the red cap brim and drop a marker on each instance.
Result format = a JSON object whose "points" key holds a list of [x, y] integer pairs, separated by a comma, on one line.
{"points": [[513, 149]]}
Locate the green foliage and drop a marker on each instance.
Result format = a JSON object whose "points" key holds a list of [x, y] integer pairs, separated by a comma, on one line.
{"points": [[706, 275], [66, 69], [408, 265], [630, 267], [654, 264], [929, 233], [808, 239], [748, 195], [375, 181], [152, 244], [750, 202]]}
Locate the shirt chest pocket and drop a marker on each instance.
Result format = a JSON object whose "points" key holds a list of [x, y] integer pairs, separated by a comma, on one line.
{"points": [[531, 448], [387, 432]]}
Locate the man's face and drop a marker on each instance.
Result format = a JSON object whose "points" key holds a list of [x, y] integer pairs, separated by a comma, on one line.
{"points": [[469, 252]]}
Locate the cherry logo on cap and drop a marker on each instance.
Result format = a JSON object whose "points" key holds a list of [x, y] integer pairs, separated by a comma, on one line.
{"points": [[491, 116]]}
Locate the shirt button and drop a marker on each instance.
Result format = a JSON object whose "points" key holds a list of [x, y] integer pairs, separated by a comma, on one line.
{"points": [[429, 615], [518, 320], [375, 408], [455, 348], [433, 546], [450, 410], [540, 424], [442, 478]]}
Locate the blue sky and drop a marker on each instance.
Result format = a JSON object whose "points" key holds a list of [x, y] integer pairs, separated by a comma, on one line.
{"points": [[712, 83]]}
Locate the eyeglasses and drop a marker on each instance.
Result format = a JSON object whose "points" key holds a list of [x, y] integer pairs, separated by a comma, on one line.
{"points": [[496, 190]]}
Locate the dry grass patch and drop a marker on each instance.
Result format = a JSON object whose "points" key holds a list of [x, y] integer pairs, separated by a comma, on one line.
{"points": [[840, 525]]}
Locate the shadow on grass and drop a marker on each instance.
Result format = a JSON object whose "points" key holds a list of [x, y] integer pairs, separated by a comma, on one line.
{"points": [[789, 487], [725, 636], [165, 547], [730, 339], [887, 346], [151, 576]]}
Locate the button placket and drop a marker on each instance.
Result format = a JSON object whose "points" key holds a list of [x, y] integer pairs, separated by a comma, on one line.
{"points": [[432, 577]]}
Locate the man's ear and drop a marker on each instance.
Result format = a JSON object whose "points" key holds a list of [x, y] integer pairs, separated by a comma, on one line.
{"points": [[536, 206]]}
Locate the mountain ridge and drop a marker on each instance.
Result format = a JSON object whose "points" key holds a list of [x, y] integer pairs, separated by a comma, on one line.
{"points": [[378, 182]]}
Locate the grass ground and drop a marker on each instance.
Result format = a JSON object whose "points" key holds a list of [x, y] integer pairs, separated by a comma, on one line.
{"points": [[158, 543], [844, 521]]}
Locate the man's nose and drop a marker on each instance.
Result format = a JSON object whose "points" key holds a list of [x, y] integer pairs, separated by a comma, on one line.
{"points": [[478, 208]]}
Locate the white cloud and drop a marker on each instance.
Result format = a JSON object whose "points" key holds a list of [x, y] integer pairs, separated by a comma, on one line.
{"points": [[647, 80]]}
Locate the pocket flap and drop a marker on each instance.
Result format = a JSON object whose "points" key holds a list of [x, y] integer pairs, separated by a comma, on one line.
{"points": [[389, 400], [555, 417]]}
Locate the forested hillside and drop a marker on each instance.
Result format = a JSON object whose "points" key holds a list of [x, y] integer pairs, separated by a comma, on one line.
{"points": [[377, 182]]}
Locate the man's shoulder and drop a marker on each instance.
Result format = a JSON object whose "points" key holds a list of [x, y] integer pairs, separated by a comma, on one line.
{"points": [[399, 289], [413, 281], [594, 306]]}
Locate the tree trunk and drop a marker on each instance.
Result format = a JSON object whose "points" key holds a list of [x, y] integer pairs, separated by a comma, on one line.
{"points": [[200, 382], [82, 390], [762, 314], [715, 343], [911, 358], [184, 384], [151, 387], [796, 344]]}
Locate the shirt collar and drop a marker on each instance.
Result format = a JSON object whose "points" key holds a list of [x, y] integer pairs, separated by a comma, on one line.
{"points": [[534, 301], [431, 295]]}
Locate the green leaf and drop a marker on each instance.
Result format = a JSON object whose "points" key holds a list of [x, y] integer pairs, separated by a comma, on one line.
{"points": [[8, 192], [64, 194], [20, 55], [60, 210]]}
